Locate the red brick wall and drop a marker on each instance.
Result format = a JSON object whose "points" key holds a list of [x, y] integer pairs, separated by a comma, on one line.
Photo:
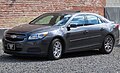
{"points": [[14, 12]]}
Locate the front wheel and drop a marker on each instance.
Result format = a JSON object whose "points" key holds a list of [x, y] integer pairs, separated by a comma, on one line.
{"points": [[55, 49], [107, 45]]}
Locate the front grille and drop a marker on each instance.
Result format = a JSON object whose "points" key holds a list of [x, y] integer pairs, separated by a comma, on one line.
{"points": [[15, 39], [34, 49], [16, 49], [18, 37], [17, 46]]}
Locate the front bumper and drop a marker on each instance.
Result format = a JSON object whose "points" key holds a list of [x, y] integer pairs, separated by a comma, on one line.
{"points": [[37, 47]]}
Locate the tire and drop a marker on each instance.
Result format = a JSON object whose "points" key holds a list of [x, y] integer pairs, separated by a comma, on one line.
{"points": [[107, 45], [55, 49]]}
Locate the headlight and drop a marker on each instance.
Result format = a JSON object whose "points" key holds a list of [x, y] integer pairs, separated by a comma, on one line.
{"points": [[35, 36]]}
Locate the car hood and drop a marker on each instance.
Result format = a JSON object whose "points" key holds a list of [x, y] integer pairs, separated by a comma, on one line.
{"points": [[25, 28]]}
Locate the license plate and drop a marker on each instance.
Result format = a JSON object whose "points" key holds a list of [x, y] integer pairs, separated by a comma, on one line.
{"points": [[11, 46]]}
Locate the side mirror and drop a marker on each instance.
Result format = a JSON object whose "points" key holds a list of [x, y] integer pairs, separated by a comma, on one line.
{"points": [[71, 26]]}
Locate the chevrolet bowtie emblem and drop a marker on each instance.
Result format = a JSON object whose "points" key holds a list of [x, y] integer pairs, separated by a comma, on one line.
{"points": [[13, 36]]}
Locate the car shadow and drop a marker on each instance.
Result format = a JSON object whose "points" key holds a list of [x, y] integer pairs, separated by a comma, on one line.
{"points": [[118, 46], [13, 59], [81, 54], [10, 58]]}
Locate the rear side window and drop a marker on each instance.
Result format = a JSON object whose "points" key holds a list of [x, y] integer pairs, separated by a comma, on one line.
{"points": [[100, 21], [91, 20]]}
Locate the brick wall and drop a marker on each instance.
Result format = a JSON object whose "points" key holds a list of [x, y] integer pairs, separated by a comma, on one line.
{"points": [[14, 12]]}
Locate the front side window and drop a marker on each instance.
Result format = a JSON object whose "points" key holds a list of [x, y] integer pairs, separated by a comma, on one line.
{"points": [[78, 20], [91, 20], [63, 20]]}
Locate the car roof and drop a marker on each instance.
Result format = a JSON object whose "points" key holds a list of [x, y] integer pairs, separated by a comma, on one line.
{"points": [[75, 12], [71, 12]]}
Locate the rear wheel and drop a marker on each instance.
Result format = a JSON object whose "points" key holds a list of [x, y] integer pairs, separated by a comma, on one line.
{"points": [[107, 45], [55, 50]]}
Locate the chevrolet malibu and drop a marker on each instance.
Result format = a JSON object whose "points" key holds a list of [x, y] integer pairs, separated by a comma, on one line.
{"points": [[52, 34]]}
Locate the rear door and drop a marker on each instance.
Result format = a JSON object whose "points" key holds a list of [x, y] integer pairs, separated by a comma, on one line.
{"points": [[94, 30]]}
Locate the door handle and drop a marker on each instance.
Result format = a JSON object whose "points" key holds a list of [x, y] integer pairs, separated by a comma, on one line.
{"points": [[86, 31], [101, 29]]}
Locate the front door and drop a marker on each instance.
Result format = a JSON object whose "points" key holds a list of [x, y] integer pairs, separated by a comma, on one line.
{"points": [[76, 35]]}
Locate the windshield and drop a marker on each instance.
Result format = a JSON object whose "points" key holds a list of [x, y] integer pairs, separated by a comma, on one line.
{"points": [[51, 19]]}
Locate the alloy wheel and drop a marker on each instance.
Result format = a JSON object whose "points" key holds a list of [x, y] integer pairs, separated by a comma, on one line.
{"points": [[57, 49], [108, 44]]}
